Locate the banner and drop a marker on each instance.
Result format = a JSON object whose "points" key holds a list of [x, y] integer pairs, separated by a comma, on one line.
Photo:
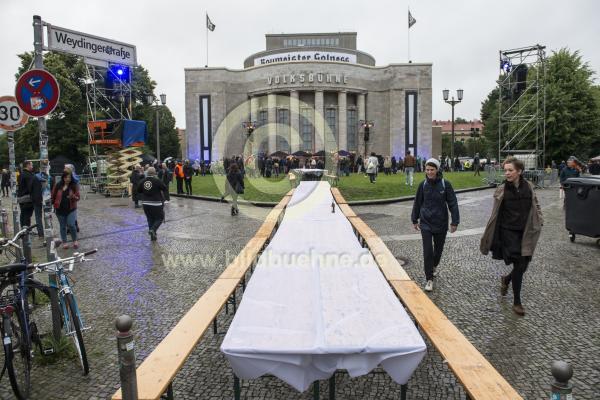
{"points": [[316, 55]]}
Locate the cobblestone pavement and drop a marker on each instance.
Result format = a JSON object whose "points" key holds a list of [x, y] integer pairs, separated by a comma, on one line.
{"points": [[130, 275]]}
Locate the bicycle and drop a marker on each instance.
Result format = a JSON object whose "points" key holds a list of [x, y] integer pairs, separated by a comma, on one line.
{"points": [[71, 319], [16, 329]]}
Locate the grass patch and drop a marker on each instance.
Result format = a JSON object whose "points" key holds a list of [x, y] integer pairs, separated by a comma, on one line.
{"points": [[354, 187], [64, 349]]}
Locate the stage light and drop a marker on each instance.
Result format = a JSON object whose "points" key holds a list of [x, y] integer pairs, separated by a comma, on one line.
{"points": [[119, 72]]}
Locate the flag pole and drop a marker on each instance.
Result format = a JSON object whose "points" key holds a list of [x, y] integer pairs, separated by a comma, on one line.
{"points": [[409, 36], [206, 23]]}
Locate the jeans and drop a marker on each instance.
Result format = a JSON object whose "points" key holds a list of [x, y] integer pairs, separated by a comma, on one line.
{"points": [[516, 276], [409, 171], [26, 213], [188, 185], [67, 221], [39, 220], [372, 177], [432, 252]]}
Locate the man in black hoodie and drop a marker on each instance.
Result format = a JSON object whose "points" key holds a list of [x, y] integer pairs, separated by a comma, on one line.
{"points": [[153, 193], [435, 196], [29, 193]]}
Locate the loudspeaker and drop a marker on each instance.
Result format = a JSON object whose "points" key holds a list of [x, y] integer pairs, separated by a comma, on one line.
{"points": [[520, 74]]}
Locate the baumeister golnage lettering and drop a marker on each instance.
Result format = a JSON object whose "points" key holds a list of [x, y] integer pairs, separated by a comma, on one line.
{"points": [[301, 57], [84, 44]]}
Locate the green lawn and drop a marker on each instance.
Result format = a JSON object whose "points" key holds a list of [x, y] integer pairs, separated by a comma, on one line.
{"points": [[355, 187]]}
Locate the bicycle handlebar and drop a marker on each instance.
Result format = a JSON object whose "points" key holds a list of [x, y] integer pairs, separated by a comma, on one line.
{"points": [[12, 242], [76, 257]]}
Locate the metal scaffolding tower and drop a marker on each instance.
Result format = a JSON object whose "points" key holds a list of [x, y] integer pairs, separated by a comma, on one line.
{"points": [[105, 102], [522, 105]]}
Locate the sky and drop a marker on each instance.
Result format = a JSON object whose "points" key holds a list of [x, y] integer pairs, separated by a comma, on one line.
{"points": [[460, 38]]}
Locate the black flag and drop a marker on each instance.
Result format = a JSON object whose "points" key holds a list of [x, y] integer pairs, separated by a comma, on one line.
{"points": [[209, 25], [411, 20]]}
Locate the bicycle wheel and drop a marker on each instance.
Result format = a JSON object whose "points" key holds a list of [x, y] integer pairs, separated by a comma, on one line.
{"points": [[17, 350], [75, 332]]}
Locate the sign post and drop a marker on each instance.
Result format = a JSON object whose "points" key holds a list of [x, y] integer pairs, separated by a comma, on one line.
{"points": [[38, 44], [13, 180]]}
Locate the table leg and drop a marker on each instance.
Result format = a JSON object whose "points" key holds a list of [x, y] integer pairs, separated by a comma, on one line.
{"points": [[332, 387], [316, 390], [403, 390], [237, 391]]}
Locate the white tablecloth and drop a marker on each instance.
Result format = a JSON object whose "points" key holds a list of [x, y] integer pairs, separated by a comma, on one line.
{"points": [[317, 302]]}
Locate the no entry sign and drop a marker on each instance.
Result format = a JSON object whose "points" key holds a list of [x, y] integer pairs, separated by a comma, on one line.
{"points": [[11, 116], [37, 92]]}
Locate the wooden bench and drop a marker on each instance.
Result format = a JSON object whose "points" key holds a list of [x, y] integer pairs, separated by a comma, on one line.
{"points": [[479, 378], [337, 195], [156, 373]]}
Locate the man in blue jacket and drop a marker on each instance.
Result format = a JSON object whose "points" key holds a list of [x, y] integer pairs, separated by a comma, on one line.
{"points": [[434, 198]]}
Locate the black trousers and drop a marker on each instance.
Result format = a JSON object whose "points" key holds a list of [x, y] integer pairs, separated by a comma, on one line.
{"points": [[179, 185], [155, 215], [5, 191], [39, 219], [433, 246], [188, 186], [516, 277], [25, 217]]}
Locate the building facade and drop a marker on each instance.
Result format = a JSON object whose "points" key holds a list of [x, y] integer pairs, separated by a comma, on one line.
{"points": [[308, 92]]}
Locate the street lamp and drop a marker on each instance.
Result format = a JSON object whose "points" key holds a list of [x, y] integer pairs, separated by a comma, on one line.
{"points": [[153, 100], [366, 125], [459, 95]]}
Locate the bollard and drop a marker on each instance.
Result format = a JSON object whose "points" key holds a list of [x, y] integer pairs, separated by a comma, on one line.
{"points": [[126, 351], [561, 388], [4, 222]]}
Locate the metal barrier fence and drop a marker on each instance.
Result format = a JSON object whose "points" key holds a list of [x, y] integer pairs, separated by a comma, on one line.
{"points": [[494, 175]]}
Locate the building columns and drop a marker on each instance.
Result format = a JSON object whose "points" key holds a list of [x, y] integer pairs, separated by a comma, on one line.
{"points": [[319, 122], [272, 121], [342, 143], [362, 115], [294, 121]]}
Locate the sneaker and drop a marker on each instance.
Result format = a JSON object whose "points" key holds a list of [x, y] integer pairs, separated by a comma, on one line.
{"points": [[519, 310], [503, 287], [232, 211], [65, 246], [152, 235], [429, 286], [76, 244]]}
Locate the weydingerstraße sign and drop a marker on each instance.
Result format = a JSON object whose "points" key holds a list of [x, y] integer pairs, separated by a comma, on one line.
{"points": [[89, 46]]}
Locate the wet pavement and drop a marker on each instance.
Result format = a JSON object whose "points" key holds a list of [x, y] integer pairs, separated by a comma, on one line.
{"points": [[156, 283]]}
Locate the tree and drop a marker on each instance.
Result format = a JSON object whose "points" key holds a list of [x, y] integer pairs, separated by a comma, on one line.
{"points": [[459, 120]]}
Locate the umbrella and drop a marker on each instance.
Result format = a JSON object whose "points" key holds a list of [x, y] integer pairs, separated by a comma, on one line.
{"points": [[279, 154], [320, 153], [301, 153], [344, 153], [597, 158]]}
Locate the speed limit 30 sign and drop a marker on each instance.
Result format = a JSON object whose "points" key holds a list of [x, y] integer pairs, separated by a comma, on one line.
{"points": [[11, 115]]}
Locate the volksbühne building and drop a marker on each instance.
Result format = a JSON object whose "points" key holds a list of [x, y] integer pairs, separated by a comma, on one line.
{"points": [[308, 92]]}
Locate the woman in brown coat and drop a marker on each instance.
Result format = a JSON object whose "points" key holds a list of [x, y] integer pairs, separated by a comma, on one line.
{"points": [[514, 227]]}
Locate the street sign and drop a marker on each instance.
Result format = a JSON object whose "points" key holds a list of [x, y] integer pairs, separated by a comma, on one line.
{"points": [[11, 115], [37, 92]]}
